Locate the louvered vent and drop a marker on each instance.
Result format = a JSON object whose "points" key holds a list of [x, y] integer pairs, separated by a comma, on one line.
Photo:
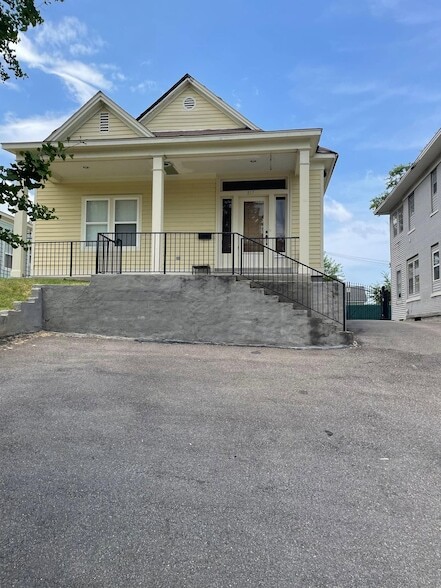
{"points": [[104, 122], [189, 103]]}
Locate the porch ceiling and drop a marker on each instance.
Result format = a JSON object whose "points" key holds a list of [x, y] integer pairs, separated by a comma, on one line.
{"points": [[90, 169]]}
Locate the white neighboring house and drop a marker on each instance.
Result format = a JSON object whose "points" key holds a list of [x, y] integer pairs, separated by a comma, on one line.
{"points": [[6, 261], [415, 236]]}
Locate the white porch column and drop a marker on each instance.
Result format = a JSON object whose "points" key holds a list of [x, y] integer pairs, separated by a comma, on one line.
{"points": [[157, 211], [19, 254], [304, 162]]}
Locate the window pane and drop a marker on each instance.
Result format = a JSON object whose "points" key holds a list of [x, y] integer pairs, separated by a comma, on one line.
{"points": [[96, 211], [127, 234], [93, 230], [253, 225], [125, 210], [280, 223], [226, 225]]}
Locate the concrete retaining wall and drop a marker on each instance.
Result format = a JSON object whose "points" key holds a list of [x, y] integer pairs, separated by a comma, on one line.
{"points": [[204, 309], [25, 318]]}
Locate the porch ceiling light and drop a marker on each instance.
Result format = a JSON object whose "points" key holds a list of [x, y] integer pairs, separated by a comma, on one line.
{"points": [[170, 169]]}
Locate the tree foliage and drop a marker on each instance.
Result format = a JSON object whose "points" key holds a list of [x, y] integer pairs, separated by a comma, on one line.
{"points": [[16, 16], [376, 289], [332, 268], [395, 175], [32, 169], [30, 172]]}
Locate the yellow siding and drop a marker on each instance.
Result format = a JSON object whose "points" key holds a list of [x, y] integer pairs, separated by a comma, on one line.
{"points": [[67, 200], [204, 116], [117, 129], [190, 206], [315, 219]]}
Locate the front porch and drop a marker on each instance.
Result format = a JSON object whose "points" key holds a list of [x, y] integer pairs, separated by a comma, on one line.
{"points": [[268, 263]]}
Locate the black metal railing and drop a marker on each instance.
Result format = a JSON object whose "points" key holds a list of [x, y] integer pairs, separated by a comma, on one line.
{"points": [[179, 252], [261, 260], [292, 281], [61, 258]]}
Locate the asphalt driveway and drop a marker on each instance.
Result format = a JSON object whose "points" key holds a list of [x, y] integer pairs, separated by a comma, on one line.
{"points": [[134, 464]]}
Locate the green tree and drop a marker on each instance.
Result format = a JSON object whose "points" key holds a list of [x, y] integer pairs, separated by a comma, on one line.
{"points": [[332, 268], [32, 169], [376, 288], [16, 16], [395, 175]]}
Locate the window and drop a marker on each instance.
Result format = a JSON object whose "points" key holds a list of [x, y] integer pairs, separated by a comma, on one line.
{"points": [[411, 211], [433, 191], [112, 215], [398, 284], [397, 221], [413, 276], [226, 225], [280, 224], [8, 260], [435, 263], [239, 185]]}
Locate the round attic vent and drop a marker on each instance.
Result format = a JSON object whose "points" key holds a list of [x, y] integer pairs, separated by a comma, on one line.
{"points": [[189, 103]]}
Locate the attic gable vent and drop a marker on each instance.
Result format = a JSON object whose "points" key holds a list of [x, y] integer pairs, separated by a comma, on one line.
{"points": [[189, 103], [104, 122]]}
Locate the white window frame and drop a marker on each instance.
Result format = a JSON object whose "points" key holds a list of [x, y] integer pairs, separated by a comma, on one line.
{"points": [[111, 205], [413, 276], [435, 264]]}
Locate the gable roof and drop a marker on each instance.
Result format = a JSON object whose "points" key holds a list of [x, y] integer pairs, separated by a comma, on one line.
{"points": [[188, 80], [94, 105]]}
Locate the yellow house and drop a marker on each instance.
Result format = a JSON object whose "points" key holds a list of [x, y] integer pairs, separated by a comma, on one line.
{"points": [[190, 185]]}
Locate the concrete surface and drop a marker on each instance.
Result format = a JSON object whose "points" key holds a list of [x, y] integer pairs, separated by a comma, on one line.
{"points": [[204, 309], [25, 318], [137, 464]]}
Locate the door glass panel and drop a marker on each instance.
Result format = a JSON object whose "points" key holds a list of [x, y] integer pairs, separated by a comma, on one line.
{"points": [[226, 225], [280, 223], [253, 225]]}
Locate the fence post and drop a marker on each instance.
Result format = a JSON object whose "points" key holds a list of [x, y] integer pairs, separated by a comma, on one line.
{"points": [[344, 306], [71, 258], [97, 253], [232, 253], [165, 253]]}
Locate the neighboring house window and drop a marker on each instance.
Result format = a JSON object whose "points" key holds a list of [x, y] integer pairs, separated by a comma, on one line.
{"points": [[8, 260], [399, 284], [434, 191], [397, 221], [115, 215], [411, 211], [413, 276], [435, 263]]}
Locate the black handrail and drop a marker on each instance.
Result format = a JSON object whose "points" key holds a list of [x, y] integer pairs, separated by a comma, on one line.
{"points": [[293, 281]]}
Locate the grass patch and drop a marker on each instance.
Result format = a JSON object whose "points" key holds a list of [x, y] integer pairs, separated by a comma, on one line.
{"points": [[18, 289]]}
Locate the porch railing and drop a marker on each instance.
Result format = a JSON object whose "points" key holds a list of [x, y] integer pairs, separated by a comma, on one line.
{"points": [[270, 263]]}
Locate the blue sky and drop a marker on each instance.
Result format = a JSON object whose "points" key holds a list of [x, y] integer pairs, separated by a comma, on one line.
{"points": [[367, 72]]}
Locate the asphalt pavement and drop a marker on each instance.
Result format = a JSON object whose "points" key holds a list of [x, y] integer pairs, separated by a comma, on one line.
{"points": [[137, 464]]}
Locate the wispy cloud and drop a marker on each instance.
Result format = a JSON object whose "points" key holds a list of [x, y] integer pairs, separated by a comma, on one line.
{"points": [[405, 12], [145, 87], [33, 128], [336, 211], [55, 50]]}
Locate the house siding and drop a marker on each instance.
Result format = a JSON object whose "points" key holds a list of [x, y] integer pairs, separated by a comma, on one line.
{"points": [[315, 219], [204, 116], [418, 241], [91, 129]]}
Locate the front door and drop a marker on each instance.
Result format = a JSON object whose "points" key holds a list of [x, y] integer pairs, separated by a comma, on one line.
{"points": [[253, 221]]}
